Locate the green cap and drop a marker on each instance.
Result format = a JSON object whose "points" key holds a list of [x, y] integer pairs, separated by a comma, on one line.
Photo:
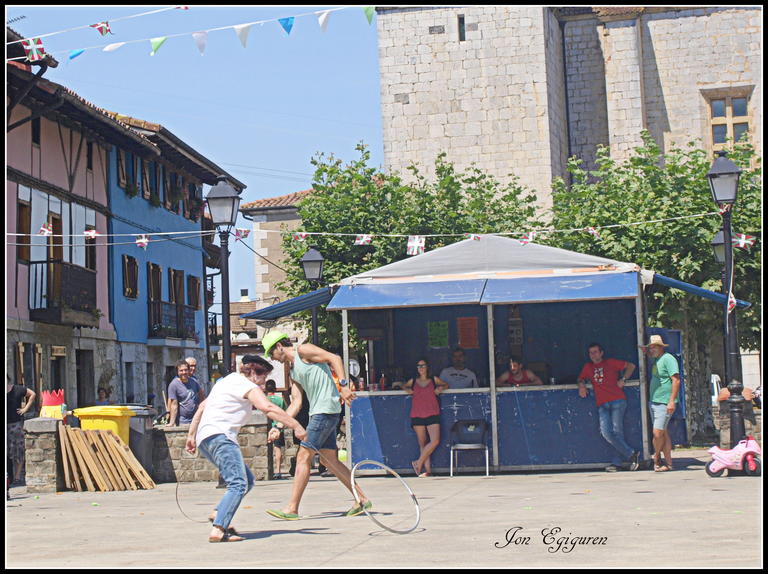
{"points": [[270, 339]]}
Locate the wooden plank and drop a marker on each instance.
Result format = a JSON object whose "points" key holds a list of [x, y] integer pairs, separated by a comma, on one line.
{"points": [[109, 461], [117, 456], [93, 466], [120, 469], [77, 477], [83, 467], [104, 467], [64, 459], [135, 465]]}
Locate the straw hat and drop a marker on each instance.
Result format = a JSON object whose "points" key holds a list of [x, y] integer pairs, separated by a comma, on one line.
{"points": [[655, 340]]}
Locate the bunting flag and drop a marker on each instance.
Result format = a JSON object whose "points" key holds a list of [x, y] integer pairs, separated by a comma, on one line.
{"points": [[731, 302], [182, 7], [33, 49], [743, 241], [472, 236], [363, 239], [322, 19], [113, 47], [201, 39], [46, 229], [527, 238], [75, 53], [242, 32], [300, 236], [287, 24], [142, 241], [369, 11], [593, 231], [102, 28], [416, 244], [724, 207], [241, 233], [91, 233], [156, 43]]}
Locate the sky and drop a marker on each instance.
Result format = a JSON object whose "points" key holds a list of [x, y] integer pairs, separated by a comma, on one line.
{"points": [[261, 111]]}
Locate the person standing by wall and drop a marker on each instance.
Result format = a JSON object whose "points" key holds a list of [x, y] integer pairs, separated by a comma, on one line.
{"points": [[457, 375], [18, 400], [279, 443], [665, 385], [184, 396]]}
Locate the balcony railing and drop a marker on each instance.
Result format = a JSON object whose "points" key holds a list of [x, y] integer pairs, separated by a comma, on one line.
{"points": [[214, 338], [62, 293], [172, 320]]}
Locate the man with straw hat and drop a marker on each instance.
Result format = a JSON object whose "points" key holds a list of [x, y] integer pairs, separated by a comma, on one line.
{"points": [[665, 385]]}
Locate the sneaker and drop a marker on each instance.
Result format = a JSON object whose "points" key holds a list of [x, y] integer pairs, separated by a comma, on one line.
{"points": [[611, 468], [277, 476], [359, 509], [634, 461]]}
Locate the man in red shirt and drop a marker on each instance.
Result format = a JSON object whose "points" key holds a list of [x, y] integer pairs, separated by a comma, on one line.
{"points": [[608, 377]]}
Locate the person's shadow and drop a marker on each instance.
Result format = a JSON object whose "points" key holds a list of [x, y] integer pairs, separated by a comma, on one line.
{"points": [[269, 533]]}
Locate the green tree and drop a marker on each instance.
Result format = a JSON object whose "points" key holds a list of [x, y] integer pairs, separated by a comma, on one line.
{"points": [[651, 186], [357, 198]]}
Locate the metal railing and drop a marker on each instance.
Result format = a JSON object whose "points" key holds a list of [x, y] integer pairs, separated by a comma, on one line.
{"points": [[171, 320]]}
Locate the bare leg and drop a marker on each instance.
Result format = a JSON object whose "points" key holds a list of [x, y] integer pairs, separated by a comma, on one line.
{"points": [[659, 439], [668, 449], [331, 461], [301, 479], [278, 460], [434, 442], [421, 436]]}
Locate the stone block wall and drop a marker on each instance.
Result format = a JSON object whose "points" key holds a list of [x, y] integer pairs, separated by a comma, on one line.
{"points": [[43, 466]]}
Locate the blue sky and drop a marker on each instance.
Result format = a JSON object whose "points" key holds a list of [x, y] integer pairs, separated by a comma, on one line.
{"points": [[260, 112]]}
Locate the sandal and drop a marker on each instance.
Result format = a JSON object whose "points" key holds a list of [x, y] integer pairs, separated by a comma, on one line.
{"points": [[661, 468], [228, 535], [424, 475], [416, 470]]}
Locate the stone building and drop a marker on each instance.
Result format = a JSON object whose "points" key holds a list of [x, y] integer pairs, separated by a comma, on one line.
{"points": [[517, 90]]}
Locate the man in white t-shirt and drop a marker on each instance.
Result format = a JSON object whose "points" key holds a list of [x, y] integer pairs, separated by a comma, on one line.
{"points": [[457, 376], [214, 431]]}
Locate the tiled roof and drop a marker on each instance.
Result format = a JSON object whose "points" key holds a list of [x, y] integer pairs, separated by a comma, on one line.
{"points": [[613, 12], [289, 200]]}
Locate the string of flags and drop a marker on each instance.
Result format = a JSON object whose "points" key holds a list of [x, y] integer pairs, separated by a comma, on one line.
{"points": [[34, 49]]}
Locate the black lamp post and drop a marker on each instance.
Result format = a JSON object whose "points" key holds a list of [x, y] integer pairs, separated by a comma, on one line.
{"points": [[223, 202], [723, 179], [312, 262]]}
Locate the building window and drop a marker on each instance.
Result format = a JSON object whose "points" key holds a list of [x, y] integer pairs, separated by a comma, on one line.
{"points": [[130, 277], [193, 292], [462, 31], [89, 155], [23, 222], [90, 249], [175, 286], [729, 118], [36, 131]]}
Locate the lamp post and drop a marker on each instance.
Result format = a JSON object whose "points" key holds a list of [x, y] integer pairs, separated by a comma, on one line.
{"points": [[312, 262], [223, 202], [723, 179]]}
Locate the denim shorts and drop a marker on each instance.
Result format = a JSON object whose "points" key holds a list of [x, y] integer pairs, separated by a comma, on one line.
{"points": [[321, 431], [660, 416]]}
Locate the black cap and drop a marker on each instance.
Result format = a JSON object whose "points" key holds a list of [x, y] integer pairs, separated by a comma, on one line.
{"points": [[256, 359]]}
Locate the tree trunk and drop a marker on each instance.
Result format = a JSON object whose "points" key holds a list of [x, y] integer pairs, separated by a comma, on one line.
{"points": [[698, 371]]}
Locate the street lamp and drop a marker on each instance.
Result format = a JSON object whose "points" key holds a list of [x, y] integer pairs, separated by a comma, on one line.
{"points": [[223, 202], [723, 179], [312, 262]]}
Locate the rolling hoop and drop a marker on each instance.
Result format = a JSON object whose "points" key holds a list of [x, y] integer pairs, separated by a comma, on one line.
{"points": [[370, 514]]}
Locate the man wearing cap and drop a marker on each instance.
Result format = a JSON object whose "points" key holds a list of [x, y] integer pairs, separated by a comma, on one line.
{"points": [[310, 367], [214, 430], [665, 385]]}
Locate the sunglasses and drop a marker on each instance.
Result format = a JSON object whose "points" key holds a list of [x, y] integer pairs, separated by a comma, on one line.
{"points": [[421, 365]]}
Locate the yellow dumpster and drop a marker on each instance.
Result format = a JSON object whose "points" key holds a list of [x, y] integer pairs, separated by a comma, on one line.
{"points": [[108, 417]]}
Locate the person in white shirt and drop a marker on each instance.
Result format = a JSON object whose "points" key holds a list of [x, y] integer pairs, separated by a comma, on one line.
{"points": [[457, 376], [214, 430]]}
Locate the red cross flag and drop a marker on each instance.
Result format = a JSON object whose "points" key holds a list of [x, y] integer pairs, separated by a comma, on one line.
{"points": [[33, 49], [593, 231], [102, 28], [46, 229], [731, 302], [472, 236], [363, 239], [742, 240], [724, 207], [527, 238], [300, 236], [416, 244], [142, 241], [91, 233], [241, 233]]}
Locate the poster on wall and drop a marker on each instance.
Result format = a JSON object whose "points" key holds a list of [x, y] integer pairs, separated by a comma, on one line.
{"points": [[437, 334], [467, 327]]}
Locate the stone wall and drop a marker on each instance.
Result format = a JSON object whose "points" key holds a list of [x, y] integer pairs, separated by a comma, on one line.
{"points": [[172, 463], [43, 465]]}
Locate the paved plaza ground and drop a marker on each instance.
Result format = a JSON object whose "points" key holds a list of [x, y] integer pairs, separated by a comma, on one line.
{"points": [[634, 519]]}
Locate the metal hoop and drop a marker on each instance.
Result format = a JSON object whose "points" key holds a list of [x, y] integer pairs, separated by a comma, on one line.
{"points": [[371, 516]]}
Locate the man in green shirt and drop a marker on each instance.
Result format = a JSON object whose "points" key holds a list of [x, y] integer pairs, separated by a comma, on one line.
{"points": [[665, 385], [310, 367]]}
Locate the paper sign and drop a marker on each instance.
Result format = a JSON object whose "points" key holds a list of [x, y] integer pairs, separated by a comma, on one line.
{"points": [[467, 327], [437, 334]]}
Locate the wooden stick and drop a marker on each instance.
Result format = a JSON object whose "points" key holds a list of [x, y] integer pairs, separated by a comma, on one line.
{"points": [[77, 473], [64, 458], [122, 484], [104, 466], [83, 467], [117, 457], [93, 466]]}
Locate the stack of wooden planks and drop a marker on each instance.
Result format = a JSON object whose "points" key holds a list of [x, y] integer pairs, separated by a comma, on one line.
{"points": [[99, 460]]}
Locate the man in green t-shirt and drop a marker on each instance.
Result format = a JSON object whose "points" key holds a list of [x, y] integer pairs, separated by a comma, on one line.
{"points": [[665, 385], [270, 387]]}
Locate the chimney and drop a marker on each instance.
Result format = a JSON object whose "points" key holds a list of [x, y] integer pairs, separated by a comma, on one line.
{"points": [[244, 296]]}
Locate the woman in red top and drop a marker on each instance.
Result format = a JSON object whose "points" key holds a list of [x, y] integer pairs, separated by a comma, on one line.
{"points": [[425, 414], [517, 375]]}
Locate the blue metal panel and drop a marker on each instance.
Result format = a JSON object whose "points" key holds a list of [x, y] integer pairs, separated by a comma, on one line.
{"points": [[407, 294], [561, 288], [291, 306], [706, 293]]}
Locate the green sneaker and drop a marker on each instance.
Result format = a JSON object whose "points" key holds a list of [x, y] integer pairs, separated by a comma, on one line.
{"points": [[359, 509], [283, 515]]}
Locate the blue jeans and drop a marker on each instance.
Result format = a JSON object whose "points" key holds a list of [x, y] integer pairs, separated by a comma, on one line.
{"points": [[612, 428], [321, 431], [227, 457]]}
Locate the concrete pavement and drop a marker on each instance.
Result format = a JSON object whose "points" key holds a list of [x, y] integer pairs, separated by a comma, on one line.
{"points": [[633, 519]]}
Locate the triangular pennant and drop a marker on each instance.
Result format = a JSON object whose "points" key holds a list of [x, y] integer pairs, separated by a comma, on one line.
{"points": [[156, 43], [731, 302], [182, 7], [102, 28], [416, 244], [593, 231], [142, 241], [242, 32], [241, 233], [369, 11], [723, 208], [33, 49], [113, 47], [472, 236], [75, 53], [322, 19], [201, 39], [527, 238], [743, 241], [287, 24], [46, 229], [299, 236], [91, 233], [363, 239]]}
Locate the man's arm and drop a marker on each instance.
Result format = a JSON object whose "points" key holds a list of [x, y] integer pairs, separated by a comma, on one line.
{"points": [[535, 378], [502, 378], [260, 401], [30, 400], [173, 411], [314, 354], [629, 368], [673, 395], [191, 440]]}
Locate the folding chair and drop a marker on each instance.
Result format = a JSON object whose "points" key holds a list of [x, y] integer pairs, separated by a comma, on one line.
{"points": [[469, 435]]}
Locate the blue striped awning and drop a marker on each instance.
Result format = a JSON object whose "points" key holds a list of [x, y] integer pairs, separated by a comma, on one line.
{"points": [[291, 306]]}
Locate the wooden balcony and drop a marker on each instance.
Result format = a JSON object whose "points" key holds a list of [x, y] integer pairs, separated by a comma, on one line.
{"points": [[62, 293], [171, 320]]}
